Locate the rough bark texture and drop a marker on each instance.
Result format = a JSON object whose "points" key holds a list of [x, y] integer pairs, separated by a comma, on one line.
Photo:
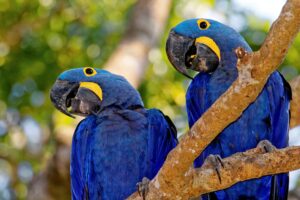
{"points": [[251, 164], [295, 104], [254, 70], [130, 60], [246, 166]]}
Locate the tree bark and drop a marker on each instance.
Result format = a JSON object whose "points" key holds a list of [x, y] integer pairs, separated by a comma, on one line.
{"points": [[254, 70], [295, 103], [241, 167], [253, 163]]}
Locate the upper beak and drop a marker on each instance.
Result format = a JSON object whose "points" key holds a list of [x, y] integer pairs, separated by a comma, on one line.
{"points": [[199, 54], [61, 94], [177, 46]]}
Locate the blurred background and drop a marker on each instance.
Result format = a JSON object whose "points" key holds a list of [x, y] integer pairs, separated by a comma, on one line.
{"points": [[41, 38]]}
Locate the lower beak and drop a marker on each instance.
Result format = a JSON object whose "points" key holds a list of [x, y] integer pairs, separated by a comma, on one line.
{"points": [[204, 60]]}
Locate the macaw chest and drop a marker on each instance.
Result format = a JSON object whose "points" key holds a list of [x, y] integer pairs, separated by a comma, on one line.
{"points": [[114, 157]]}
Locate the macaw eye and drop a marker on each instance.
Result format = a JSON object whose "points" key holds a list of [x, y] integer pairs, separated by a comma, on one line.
{"points": [[203, 24], [88, 71]]}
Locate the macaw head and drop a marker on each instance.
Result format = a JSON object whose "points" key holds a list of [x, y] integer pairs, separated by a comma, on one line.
{"points": [[203, 45], [85, 91]]}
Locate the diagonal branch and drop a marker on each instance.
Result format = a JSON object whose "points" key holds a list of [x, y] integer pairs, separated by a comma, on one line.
{"points": [[240, 167], [254, 70], [253, 163], [295, 103]]}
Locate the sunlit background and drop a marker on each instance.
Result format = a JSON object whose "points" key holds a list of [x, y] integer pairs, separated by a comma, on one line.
{"points": [[41, 38]]}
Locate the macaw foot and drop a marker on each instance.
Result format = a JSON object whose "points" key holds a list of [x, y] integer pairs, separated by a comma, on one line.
{"points": [[266, 146], [143, 187], [217, 163]]}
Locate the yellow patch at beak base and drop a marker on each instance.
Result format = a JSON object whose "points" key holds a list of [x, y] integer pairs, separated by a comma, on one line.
{"points": [[211, 44], [94, 87]]}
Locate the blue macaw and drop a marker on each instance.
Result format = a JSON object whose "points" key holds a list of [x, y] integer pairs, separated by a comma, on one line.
{"points": [[119, 142], [208, 47]]}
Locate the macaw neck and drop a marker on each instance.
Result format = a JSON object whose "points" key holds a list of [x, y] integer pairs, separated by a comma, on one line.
{"points": [[132, 113], [228, 48], [123, 99], [118, 108], [116, 105], [228, 60]]}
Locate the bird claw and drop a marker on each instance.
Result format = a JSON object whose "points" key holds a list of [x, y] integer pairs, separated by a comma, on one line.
{"points": [[266, 146], [217, 162], [143, 187]]}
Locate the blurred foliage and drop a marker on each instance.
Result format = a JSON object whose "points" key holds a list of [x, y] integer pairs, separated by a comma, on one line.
{"points": [[41, 38]]}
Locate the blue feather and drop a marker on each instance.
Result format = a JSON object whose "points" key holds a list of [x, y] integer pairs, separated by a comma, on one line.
{"points": [[116, 149]]}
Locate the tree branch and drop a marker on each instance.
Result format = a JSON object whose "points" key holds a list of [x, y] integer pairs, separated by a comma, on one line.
{"points": [[238, 167], [241, 166], [295, 103], [254, 70]]}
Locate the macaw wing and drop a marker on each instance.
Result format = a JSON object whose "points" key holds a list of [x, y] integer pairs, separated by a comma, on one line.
{"points": [[162, 139], [280, 94], [159, 137], [279, 99], [79, 145], [196, 98]]}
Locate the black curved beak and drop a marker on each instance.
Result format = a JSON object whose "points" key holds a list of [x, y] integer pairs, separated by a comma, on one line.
{"points": [[61, 94], [71, 98], [185, 53], [177, 46]]}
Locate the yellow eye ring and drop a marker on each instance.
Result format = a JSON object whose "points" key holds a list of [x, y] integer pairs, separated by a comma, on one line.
{"points": [[203, 24], [88, 71]]}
